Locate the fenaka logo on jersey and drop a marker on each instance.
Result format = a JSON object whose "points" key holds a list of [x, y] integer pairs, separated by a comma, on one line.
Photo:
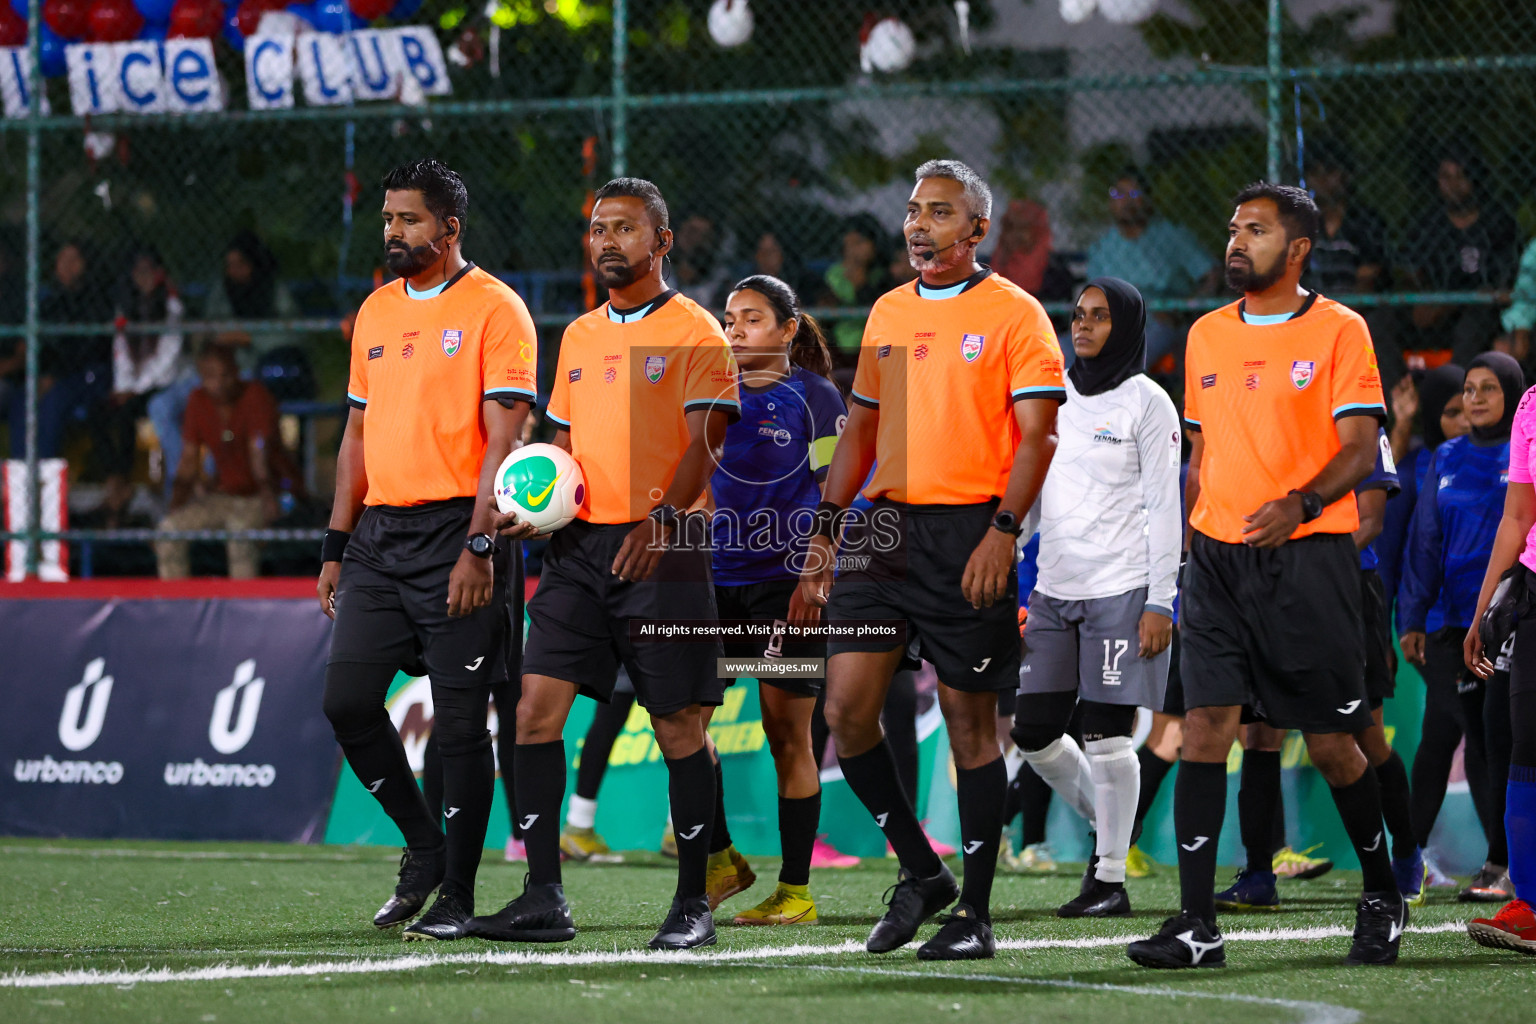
{"points": [[1301, 373], [655, 368], [970, 346], [452, 340]]}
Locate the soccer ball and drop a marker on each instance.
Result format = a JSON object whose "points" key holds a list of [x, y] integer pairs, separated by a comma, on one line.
{"points": [[1127, 12], [540, 484], [730, 22], [890, 46]]}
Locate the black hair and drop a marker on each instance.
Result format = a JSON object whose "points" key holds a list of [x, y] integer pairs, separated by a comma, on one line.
{"points": [[441, 189], [645, 191], [219, 352], [1298, 213], [1130, 172], [808, 348]]}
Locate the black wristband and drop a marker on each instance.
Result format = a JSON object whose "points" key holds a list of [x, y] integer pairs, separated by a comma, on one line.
{"points": [[827, 514], [334, 545]]}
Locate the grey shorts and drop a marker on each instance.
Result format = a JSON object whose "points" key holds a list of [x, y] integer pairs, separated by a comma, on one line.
{"points": [[1090, 647]]}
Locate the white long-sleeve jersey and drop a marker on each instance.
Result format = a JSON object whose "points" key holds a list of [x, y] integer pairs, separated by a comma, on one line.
{"points": [[1110, 515]]}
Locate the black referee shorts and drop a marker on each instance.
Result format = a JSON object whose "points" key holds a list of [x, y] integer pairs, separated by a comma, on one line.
{"points": [[579, 620], [392, 600], [915, 561], [767, 603], [1278, 629], [1380, 681]]}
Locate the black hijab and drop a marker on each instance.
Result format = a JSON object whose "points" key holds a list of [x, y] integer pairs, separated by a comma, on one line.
{"points": [[1512, 380], [1124, 354], [1436, 388]]}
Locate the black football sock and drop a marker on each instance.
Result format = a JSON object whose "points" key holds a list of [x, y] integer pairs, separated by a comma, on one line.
{"points": [[798, 819], [1359, 805], [720, 836], [607, 723], [1199, 806], [1153, 771], [1035, 804], [1396, 801], [873, 779], [469, 782], [691, 786], [1257, 797], [980, 793], [540, 780]]}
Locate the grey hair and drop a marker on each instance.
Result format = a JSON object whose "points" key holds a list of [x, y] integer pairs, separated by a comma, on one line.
{"points": [[978, 197]]}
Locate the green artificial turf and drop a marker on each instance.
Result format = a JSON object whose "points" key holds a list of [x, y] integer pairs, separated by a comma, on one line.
{"points": [[132, 907]]}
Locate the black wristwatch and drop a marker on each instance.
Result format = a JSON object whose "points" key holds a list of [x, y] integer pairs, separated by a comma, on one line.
{"points": [[1311, 505], [481, 545], [666, 515], [1007, 522]]}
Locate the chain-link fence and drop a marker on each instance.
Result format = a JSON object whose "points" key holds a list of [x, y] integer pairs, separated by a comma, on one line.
{"points": [[784, 135]]}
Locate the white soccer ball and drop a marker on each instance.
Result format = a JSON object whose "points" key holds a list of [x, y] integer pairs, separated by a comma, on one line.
{"points": [[540, 484], [890, 46], [1127, 12], [730, 22]]}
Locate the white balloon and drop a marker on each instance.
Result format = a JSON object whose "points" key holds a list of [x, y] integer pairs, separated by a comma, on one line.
{"points": [[890, 46], [1127, 12], [730, 22], [1075, 12]]}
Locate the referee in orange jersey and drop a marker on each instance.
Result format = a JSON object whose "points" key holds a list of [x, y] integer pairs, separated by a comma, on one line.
{"points": [[1282, 399], [443, 375]]}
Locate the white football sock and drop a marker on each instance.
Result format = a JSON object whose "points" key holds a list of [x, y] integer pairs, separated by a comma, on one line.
{"points": [[582, 813], [1063, 765], [1116, 788]]}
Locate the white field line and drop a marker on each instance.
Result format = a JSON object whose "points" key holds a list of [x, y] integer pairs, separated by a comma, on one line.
{"points": [[1310, 1012], [65, 851], [412, 962]]}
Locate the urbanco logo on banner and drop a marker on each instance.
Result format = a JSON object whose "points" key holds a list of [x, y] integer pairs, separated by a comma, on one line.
{"points": [[236, 709], [80, 723]]}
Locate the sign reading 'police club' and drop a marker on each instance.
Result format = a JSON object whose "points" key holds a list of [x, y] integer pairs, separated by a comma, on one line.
{"points": [[179, 76]]}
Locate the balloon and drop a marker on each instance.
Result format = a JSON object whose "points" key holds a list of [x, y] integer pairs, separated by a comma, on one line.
{"points": [[69, 18], [154, 33], [305, 13], [404, 9], [13, 28], [195, 19], [333, 16], [20, 7], [156, 12], [113, 21], [370, 10], [50, 47]]}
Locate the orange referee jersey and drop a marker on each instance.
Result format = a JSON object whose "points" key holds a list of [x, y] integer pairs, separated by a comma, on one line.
{"points": [[1265, 398], [624, 383], [944, 367], [421, 368]]}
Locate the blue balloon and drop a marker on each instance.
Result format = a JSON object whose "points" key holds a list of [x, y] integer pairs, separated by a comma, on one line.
{"points": [[335, 16], [404, 9], [231, 30], [305, 13], [20, 7], [155, 12], [50, 53], [153, 32]]}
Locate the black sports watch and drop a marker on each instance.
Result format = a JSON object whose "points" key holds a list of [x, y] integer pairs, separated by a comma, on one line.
{"points": [[666, 515], [1007, 522], [481, 545], [1311, 505]]}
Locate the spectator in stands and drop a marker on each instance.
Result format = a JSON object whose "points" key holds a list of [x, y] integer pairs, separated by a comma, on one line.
{"points": [[1467, 244], [143, 364], [697, 270], [1520, 317], [770, 256], [13, 311], [234, 421], [1349, 253], [1024, 245], [858, 279], [74, 370], [1162, 259], [900, 267]]}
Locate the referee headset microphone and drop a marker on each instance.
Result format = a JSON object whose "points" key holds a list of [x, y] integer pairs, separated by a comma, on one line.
{"points": [[931, 253]]}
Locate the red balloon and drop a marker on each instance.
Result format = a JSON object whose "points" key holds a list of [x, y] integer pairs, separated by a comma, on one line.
{"points": [[68, 18], [248, 17], [114, 21], [13, 27], [371, 10], [195, 19]]}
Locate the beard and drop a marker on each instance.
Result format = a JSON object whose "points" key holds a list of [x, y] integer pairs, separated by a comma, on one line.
{"points": [[947, 260], [1246, 277], [613, 274], [408, 261]]}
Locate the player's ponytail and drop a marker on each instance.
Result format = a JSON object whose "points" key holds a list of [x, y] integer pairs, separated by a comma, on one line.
{"points": [[808, 348]]}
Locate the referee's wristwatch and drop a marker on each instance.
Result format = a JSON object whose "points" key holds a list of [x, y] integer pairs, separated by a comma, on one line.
{"points": [[481, 545], [1311, 505], [666, 515], [1008, 523]]}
